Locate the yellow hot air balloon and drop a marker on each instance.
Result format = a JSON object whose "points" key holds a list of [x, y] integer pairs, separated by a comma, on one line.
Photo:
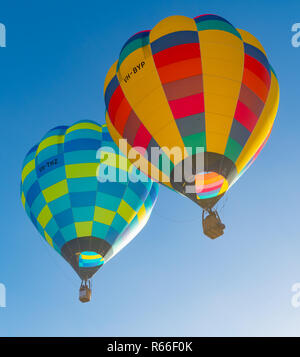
{"points": [[196, 91]]}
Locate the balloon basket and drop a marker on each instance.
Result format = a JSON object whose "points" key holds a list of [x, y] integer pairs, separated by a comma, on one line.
{"points": [[212, 225], [85, 292]]}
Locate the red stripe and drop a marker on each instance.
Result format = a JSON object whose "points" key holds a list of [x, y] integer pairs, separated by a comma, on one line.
{"points": [[204, 15], [186, 106], [142, 137], [114, 103], [245, 116], [259, 69], [176, 54], [204, 189], [138, 33]]}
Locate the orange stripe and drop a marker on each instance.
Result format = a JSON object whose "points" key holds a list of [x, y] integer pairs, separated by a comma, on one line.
{"points": [[210, 175], [255, 84], [180, 70], [212, 180], [216, 179]]}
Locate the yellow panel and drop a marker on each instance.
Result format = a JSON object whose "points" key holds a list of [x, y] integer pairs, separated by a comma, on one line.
{"points": [[52, 140], [216, 67], [55, 191], [123, 163], [217, 130], [84, 229], [23, 199], [145, 165], [222, 109], [126, 211], [216, 138], [82, 170], [110, 75], [48, 239], [144, 89], [90, 257], [252, 40], [104, 215], [222, 38], [44, 216], [84, 126], [221, 45], [262, 128], [224, 187], [219, 86], [141, 213], [27, 169], [171, 24], [118, 161], [222, 56]]}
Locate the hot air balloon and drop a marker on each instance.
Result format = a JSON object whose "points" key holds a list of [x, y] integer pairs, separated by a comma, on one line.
{"points": [[201, 87], [84, 197]]}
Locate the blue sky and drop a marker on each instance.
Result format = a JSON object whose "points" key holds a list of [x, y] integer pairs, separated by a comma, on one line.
{"points": [[171, 280]]}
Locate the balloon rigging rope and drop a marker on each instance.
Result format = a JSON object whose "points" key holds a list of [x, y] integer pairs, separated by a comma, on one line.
{"points": [[223, 205]]}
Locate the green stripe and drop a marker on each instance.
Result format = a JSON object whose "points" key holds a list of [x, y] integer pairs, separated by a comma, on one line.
{"points": [[233, 149], [207, 196], [217, 25], [194, 141]]}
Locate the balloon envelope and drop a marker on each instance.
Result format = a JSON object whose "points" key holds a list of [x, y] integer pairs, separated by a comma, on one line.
{"points": [[199, 85], [85, 202]]}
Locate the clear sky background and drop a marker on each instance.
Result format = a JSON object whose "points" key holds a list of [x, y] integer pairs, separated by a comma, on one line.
{"points": [[171, 280]]}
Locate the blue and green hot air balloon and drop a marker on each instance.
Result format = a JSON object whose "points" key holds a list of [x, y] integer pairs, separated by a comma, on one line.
{"points": [[84, 196]]}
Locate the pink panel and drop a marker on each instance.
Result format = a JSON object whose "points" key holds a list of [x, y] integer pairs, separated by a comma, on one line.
{"points": [[245, 116], [186, 106]]}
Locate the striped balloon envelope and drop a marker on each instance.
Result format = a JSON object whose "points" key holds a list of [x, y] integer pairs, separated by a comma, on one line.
{"points": [[201, 87], [84, 197]]}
